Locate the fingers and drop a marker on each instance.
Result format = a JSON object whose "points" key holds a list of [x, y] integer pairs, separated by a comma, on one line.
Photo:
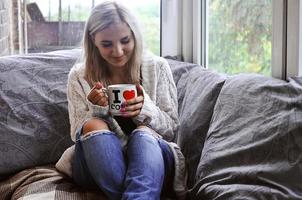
{"points": [[100, 100], [139, 89], [98, 85], [97, 96], [131, 114], [132, 108], [136, 100]]}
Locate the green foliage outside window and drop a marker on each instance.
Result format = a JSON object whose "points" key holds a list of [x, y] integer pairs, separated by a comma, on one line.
{"points": [[149, 16], [240, 36]]}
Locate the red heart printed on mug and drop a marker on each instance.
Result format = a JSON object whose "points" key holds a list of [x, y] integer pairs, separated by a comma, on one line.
{"points": [[129, 94]]}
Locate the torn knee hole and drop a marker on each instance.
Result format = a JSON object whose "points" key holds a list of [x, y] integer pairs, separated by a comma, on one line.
{"points": [[91, 133]]}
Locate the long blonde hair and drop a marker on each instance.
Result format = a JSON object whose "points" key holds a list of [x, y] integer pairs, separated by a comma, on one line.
{"points": [[101, 17]]}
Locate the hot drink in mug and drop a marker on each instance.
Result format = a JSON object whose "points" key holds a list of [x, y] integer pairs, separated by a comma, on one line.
{"points": [[119, 93]]}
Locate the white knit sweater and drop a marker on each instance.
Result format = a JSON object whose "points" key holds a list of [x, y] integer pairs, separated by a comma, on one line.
{"points": [[159, 111]]}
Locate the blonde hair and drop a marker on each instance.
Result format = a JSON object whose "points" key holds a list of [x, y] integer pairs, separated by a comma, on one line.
{"points": [[101, 17]]}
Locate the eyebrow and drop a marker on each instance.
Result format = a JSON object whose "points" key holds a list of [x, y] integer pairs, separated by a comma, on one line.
{"points": [[109, 41], [126, 37]]}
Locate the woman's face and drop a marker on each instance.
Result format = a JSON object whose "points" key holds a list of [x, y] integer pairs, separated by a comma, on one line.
{"points": [[115, 44]]}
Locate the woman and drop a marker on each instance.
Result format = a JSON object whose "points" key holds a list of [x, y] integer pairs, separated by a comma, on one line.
{"points": [[127, 157]]}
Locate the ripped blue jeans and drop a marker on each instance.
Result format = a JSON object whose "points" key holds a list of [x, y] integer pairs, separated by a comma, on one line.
{"points": [[140, 172]]}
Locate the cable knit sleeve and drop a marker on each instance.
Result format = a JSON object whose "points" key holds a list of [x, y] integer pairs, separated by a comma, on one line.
{"points": [[79, 108], [159, 111]]}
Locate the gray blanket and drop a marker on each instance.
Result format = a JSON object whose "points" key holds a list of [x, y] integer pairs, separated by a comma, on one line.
{"points": [[241, 135]]}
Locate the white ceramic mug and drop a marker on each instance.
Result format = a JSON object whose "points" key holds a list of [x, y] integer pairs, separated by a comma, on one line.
{"points": [[119, 93]]}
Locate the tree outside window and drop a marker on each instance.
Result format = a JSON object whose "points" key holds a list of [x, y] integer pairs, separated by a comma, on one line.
{"points": [[240, 36]]}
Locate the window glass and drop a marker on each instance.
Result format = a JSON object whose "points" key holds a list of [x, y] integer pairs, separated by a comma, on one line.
{"points": [[240, 36], [45, 33]]}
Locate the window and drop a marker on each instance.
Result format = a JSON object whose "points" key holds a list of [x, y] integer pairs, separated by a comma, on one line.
{"points": [[235, 36], [240, 36], [59, 24]]}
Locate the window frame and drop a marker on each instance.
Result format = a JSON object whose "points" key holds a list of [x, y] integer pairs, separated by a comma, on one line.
{"points": [[287, 45], [294, 33]]}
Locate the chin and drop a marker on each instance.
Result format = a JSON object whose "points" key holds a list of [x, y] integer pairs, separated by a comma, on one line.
{"points": [[119, 64]]}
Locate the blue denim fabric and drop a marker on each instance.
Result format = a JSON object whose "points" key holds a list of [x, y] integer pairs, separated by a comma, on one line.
{"points": [[138, 173]]}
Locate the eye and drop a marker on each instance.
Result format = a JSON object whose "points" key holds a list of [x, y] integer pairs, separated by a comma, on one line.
{"points": [[106, 44], [125, 40]]}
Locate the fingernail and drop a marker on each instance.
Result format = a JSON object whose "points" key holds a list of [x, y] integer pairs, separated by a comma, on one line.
{"points": [[98, 86], [123, 105]]}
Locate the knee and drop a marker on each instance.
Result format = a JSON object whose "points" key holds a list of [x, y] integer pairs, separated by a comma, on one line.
{"points": [[93, 125], [146, 129], [143, 138]]}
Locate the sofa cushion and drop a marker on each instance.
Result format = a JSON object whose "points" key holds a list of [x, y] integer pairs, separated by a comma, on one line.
{"points": [[198, 90], [254, 143], [34, 124]]}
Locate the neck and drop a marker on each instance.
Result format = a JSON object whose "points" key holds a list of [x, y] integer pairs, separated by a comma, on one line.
{"points": [[118, 76]]}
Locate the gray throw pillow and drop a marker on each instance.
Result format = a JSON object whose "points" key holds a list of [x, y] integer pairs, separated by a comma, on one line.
{"points": [[34, 124]]}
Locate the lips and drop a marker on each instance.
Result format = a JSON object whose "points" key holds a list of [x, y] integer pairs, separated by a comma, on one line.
{"points": [[119, 59]]}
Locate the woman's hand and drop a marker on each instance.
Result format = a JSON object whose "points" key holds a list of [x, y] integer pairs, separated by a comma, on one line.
{"points": [[97, 96], [132, 108]]}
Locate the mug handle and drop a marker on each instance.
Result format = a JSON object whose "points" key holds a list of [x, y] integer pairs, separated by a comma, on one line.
{"points": [[105, 91]]}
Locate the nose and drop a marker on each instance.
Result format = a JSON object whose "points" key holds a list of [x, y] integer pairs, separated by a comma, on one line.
{"points": [[118, 50]]}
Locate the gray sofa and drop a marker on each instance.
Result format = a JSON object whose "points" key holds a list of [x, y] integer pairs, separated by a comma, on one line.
{"points": [[241, 135]]}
